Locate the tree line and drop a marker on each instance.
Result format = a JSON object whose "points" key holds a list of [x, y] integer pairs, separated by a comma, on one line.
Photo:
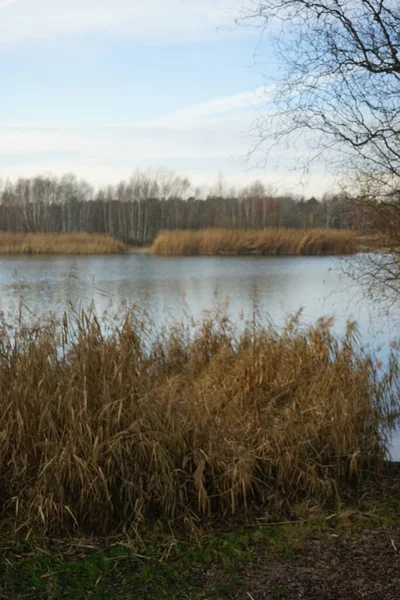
{"points": [[136, 210]]}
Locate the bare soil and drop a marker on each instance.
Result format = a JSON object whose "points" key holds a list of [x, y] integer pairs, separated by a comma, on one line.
{"points": [[344, 566]]}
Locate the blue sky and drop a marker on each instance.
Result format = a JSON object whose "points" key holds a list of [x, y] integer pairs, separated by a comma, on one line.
{"points": [[104, 87]]}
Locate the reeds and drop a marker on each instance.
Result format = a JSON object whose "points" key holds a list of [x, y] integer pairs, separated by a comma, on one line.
{"points": [[107, 428], [255, 241], [59, 243]]}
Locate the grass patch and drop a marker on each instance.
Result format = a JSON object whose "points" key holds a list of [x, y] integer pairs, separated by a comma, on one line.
{"points": [[256, 241], [59, 243], [173, 569], [217, 566]]}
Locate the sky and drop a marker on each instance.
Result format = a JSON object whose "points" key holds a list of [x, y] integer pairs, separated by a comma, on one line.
{"points": [[102, 88]]}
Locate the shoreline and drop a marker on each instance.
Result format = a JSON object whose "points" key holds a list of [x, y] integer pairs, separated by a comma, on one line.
{"points": [[329, 557], [224, 243]]}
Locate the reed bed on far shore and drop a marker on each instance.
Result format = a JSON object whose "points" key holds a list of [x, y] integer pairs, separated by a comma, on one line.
{"points": [[256, 241], [107, 427], [59, 243]]}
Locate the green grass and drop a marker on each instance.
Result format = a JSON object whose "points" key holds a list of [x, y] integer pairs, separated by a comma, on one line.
{"points": [[167, 568]]}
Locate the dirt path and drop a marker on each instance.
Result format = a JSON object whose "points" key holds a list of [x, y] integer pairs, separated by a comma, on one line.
{"points": [[364, 566]]}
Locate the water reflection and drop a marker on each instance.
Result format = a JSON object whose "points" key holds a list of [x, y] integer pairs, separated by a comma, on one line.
{"points": [[174, 285]]}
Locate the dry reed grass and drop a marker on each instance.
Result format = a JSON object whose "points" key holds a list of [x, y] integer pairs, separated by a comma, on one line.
{"points": [[59, 243], [106, 432], [256, 241]]}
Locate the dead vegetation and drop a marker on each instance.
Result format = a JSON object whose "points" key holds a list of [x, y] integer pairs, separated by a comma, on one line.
{"points": [[256, 241], [107, 426], [59, 243]]}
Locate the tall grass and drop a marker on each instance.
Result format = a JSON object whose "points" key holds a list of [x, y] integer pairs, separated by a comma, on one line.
{"points": [[105, 432], [58, 243], [255, 241]]}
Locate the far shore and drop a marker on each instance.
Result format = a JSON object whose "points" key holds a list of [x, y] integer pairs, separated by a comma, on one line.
{"points": [[209, 242], [265, 242], [59, 243]]}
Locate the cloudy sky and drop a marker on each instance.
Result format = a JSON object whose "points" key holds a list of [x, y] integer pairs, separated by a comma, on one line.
{"points": [[104, 87]]}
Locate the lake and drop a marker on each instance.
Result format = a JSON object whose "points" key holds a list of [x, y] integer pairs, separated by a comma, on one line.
{"points": [[178, 287]]}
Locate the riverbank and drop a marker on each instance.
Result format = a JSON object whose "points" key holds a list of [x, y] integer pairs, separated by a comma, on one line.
{"points": [[288, 242], [364, 243], [274, 242], [59, 243], [200, 462], [347, 555]]}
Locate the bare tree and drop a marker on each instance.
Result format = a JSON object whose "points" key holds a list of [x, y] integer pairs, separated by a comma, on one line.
{"points": [[137, 210], [341, 79], [340, 95]]}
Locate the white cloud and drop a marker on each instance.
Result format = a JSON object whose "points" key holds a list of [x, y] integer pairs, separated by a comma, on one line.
{"points": [[210, 129], [21, 140], [220, 105], [200, 140], [6, 3], [146, 20]]}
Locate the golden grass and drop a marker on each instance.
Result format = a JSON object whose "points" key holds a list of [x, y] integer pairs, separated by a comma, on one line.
{"points": [[59, 243], [109, 432], [256, 241], [378, 242]]}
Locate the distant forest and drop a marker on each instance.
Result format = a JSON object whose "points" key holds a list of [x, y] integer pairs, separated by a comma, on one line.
{"points": [[136, 210]]}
